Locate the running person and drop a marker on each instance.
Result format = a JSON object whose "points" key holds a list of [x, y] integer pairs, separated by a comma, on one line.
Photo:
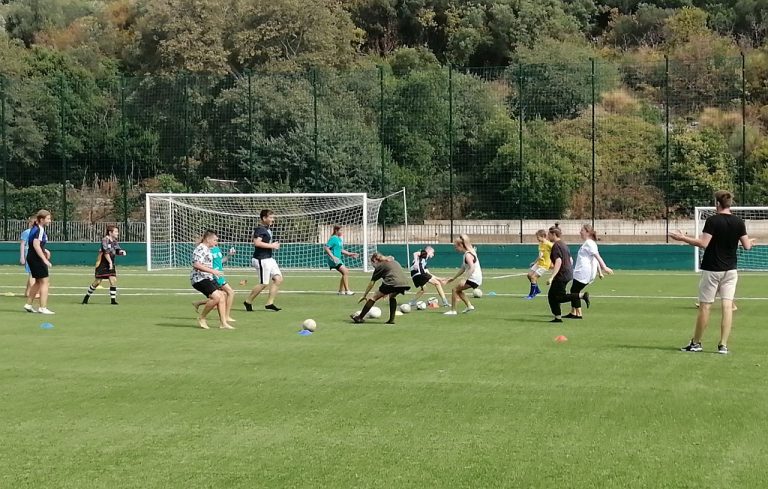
{"points": [[334, 248], [421, 276], [562, 273], [38, 259], [589, 265], [105, 265], [218, 264], [203, 280], [470, 267], [541, 265], [393, 283], [266, 266]]}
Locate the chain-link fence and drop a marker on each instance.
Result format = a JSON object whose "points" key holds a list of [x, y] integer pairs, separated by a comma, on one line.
{"points": [[507, 148]]}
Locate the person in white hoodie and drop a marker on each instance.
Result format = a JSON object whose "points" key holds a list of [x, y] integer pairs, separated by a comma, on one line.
{"points": [[589, 265]]}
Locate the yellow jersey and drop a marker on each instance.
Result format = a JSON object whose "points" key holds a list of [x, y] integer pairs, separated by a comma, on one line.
{"points": [[545, 249]]}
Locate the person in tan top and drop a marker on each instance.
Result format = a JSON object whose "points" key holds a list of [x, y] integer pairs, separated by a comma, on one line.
{"points": [[393, 283]]}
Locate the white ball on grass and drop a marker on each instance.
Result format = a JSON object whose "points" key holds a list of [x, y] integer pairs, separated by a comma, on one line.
{"points": [[309, 324], [477, 293], [421, 305], [374, 313], [405, 308]]}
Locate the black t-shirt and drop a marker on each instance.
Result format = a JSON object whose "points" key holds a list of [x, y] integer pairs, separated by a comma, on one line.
{"points": [[720, 254], [265, 234], [560, 250]]}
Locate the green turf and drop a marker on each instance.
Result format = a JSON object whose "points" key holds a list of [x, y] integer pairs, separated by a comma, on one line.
{"points": [[135, 396]]}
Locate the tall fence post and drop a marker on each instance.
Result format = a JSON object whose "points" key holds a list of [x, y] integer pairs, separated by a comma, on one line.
{"points": [[594, 134], [315, 130], [4, 156], [382, 183], [520, 117], [185, 80], [124, 134], [251, 170], [62, 153], [666, 146], [450, 145], [743, 170]]}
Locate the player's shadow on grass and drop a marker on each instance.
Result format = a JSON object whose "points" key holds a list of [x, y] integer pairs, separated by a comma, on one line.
{"points": [[650, 347], [188, 323]]}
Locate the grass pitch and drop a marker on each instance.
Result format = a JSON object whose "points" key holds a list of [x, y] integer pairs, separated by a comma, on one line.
{"points": [[135, 396]]}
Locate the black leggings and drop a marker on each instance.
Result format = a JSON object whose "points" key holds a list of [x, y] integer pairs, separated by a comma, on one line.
{"points": [[557, 295], [576, 287]]}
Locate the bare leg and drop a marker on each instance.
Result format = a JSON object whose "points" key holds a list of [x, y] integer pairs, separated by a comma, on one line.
{"points": [[255, 292], [440, 291], [43, 283], [230, 300], [344, 278], [726, 322], [273, 288], [464, 298], [701, 322], [419, 293]]}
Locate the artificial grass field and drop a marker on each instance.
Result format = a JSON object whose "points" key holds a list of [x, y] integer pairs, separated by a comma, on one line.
{"points": [[135, 396]]}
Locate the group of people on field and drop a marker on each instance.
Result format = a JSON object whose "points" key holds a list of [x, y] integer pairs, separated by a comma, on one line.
{"points": [[720, 239]]}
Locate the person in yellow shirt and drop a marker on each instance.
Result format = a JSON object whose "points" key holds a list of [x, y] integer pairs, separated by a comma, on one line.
{"points": [[541, 265]]}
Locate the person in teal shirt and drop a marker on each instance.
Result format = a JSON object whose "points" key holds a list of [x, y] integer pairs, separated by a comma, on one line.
{"points": [[336, 253], [218, 264]]}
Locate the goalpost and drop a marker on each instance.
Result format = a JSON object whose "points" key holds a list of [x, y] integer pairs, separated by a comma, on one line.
{"points": [[756, 219], [303, 224]]}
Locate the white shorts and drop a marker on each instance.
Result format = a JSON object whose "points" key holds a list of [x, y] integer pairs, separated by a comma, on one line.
{"points": [[712, 283], [539, 271], [266, 268]]}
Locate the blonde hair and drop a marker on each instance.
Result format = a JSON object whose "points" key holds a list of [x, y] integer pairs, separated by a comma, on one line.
{"points": [[464, 241], [724, 198], [541, 233], [590, 231], [41, 215]]}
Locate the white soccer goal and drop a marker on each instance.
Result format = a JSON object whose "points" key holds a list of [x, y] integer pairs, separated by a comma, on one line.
{"points": [[756, 219], [303, 224]]}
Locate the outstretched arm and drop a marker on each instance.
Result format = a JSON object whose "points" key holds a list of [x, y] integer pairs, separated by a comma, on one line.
{"points": [[701, 242]]}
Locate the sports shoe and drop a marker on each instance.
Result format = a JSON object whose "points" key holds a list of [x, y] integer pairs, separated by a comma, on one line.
{"points": [[450, 313], [29, 308], [272, 307], [114, 303], [350, 292], [356, 320], [468, 309], [722, 349], [695, 347], [45, 310], [85, 299], [572, 316], [248, 306], [556, 320], [529, 297], [586, 299]]}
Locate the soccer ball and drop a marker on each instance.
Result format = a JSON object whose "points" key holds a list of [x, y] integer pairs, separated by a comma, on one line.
{"points": [[477, 293], [405, 308], [421, 305], [374, 313], [309, 324]]}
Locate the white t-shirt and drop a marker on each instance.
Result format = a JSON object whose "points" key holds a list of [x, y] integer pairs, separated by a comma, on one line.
{"points": [[202, 255], [585, 269]]}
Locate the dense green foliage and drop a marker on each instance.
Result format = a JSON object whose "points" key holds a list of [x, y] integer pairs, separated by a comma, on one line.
{"points": [[488, 103]]}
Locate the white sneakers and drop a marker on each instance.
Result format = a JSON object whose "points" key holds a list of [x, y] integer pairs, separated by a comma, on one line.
{"points": [[454, 313], [347, 292], [42, 310]]}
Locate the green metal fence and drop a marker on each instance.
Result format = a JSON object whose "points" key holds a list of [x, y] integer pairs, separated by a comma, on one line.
{"points": [[584, 140]]}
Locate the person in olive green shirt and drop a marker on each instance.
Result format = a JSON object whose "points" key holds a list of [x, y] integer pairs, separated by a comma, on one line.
{"points": [[393, 283]]}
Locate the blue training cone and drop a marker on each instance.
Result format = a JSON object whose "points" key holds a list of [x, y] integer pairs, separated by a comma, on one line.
{"points": [[46, 326], [305, 332]]}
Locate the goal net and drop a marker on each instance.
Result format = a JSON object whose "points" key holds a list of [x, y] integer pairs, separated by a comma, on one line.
{"points": [[756, 219], [303, 224]]}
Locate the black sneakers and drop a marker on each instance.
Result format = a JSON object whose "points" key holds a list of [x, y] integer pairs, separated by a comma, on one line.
{"points": [[692, 347], [248, 306], [722, 349], [272, 307]]}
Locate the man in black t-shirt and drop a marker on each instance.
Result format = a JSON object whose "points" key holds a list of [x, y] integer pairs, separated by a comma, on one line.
{"points": [[265, 265], [720, 239]]}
